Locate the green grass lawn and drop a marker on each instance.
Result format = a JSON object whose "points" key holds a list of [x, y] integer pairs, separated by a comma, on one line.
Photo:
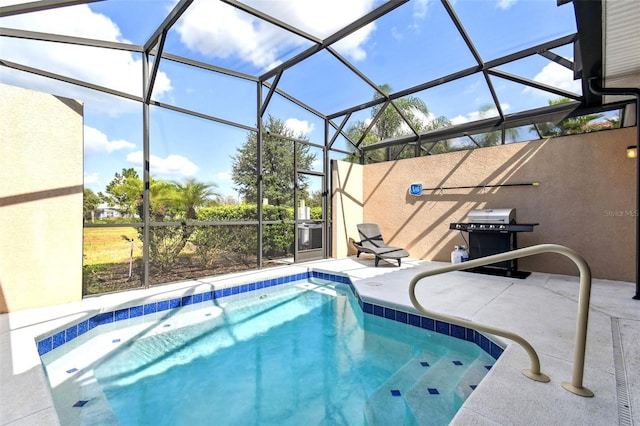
{"points": [[107, 245]]}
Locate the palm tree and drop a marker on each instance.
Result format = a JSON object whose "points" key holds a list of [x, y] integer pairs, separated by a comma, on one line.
{"points": [[570, 126], [410, 112], [495, 137], [191, 194], [389, 125], [355, 132], [174, 199]]}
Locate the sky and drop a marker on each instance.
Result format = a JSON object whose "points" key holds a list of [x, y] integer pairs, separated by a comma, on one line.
{"points": [[415, 43]]}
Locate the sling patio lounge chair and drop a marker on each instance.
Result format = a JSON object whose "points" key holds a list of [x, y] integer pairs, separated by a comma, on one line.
{"points": [[371, 242]]}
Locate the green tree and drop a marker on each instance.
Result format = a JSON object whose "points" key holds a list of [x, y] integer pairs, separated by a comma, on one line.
{"points": [[391, 124], [229, 200], [492, 138], [278, 174], [569, 126], [188, 196], [123, 191], [315, 199], [355, 132], [170, 200], [90, 202]]}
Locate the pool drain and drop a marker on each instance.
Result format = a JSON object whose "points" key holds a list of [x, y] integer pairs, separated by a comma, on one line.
{"points": [[624, 411]]}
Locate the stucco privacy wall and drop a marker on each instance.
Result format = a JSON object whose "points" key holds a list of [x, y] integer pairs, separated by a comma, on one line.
{"points": [[347, 205], [586, 199], [41, 142]]}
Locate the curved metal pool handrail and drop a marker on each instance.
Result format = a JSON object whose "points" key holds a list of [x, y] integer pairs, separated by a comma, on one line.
{"points": [[583, 310]]}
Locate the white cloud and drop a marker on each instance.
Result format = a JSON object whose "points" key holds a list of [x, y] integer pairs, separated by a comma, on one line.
{"points": [[215, 29], [488, 113], [172, 165], [74, 21], [351, 45], [299, 127], [96, 141], [91, 178], [396, 34], [224, 176], [505, 4], [316, 164], [479, 115], [319, 18], [419, 116], [114, 69], [427, 120], [556, 75], [459, 119], [420, 8]]}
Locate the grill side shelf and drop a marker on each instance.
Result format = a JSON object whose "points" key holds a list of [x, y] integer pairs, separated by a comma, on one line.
{"points": [[496, 228]]}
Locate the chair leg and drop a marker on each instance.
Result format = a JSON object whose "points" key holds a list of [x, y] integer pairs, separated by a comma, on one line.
{"points": [[398, 262], [358, 255], [377, 260]]}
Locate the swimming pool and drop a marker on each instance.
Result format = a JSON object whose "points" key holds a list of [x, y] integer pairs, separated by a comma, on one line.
{"points": [[286, 352]]}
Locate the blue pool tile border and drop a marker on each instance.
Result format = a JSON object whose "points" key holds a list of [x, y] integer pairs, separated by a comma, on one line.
{"points": [[59, 338], [453, 330]]}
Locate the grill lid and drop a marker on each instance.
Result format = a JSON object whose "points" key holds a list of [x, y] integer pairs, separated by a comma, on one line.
{"points": [[492, 216]]}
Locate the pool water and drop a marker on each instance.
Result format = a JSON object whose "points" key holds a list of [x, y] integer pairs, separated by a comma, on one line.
{"points": [[302, 353]]}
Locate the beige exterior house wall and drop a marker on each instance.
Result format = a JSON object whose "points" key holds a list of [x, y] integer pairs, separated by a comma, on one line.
{"points": [[585, 200], [347, 207], [41, 154]]}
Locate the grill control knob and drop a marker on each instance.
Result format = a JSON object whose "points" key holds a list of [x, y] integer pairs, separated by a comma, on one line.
{"points": [[491, 226], [503, 227]]}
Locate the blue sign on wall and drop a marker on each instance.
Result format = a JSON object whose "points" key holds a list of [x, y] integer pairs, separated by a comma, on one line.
{"points": [[415, 189]]}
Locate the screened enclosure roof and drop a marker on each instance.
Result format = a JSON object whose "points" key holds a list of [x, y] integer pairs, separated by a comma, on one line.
{"points": [[470, 61]]}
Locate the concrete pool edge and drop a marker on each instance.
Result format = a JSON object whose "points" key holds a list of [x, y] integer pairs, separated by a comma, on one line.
{"points": [[205, 292], [23, 402], [25, 396], [22, 331]]}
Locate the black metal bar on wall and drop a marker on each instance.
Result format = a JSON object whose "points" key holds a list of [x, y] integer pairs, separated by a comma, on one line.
{"points": [[497, 185]]}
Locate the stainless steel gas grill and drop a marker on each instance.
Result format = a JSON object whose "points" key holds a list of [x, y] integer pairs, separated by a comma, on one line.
{"points": [[493, 231]]}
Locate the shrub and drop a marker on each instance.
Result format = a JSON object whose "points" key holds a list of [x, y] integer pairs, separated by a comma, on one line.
{"points": [[166, 243], [277, 239]]}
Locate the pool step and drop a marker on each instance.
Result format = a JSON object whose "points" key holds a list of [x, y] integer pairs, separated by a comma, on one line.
{"points": [[431, 398], [388, 404], [473, 376], [437, 395], [85, 404]]}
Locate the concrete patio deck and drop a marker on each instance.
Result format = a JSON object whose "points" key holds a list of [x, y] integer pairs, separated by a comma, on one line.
{"points": [[541, 308]]}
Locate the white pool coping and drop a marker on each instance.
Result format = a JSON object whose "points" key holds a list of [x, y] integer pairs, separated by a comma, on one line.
{"points": [[541, 308]]}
